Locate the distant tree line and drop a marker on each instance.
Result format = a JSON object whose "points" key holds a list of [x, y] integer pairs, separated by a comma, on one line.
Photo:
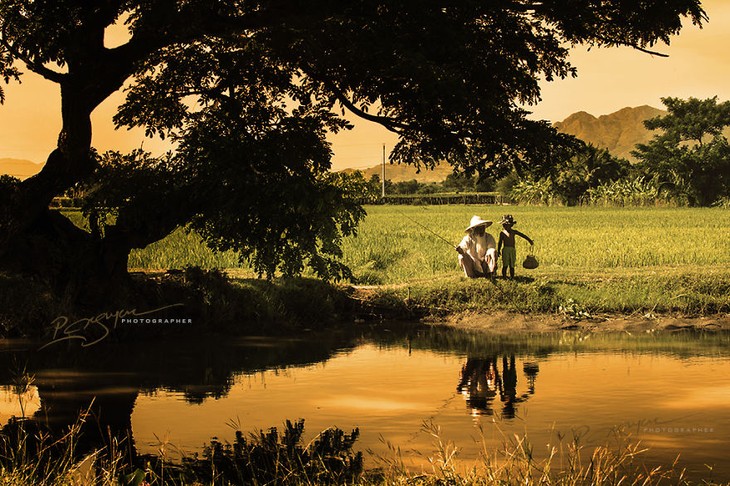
{"points": [[454, 183], [687, 163]]}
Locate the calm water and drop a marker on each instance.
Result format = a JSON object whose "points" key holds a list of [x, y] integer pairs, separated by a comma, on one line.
{"points": [[671, 391]]}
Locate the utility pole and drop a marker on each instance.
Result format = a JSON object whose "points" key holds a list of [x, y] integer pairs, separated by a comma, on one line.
{"points": [[383, 171]]}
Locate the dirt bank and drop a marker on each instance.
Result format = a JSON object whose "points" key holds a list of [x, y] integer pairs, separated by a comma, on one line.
{"points": [[505, 322]]}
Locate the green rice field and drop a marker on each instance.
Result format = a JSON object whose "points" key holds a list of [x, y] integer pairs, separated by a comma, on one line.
{"points": [[395, 244]]}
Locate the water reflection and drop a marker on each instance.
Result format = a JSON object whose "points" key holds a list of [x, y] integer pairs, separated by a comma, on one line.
{"points": [[404, 376], [105, 380], [481, 381]]}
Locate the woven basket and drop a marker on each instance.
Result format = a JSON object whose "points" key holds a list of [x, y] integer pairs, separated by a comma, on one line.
{"points": [[530, 262]]}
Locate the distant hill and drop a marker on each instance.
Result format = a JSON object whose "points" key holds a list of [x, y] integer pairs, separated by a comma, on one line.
{"points": [[400, 173], [618, 132], [22, 169]]}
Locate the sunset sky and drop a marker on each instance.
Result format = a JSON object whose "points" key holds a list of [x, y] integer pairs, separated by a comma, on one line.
{"points": [[608, 80]]}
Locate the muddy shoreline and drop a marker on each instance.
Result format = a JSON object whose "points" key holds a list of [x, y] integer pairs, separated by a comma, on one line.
{"points": [[506, 322]]}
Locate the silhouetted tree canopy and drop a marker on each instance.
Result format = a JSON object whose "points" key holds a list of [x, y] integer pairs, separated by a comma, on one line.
{"points": [[249, 89]]}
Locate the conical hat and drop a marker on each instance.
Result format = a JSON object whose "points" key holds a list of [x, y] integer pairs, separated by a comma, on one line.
{"points": [[477, 221]]}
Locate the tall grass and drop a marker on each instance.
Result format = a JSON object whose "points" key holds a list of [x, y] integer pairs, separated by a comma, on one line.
{"points": [[564, 463], [30, 454], [181, 249], [270, 458]]}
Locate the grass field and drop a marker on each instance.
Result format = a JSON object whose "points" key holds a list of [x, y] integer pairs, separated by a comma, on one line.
{"points": [[393, 245]]}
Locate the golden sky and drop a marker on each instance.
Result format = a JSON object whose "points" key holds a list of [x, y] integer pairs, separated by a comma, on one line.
{"points": [[608, 80]]}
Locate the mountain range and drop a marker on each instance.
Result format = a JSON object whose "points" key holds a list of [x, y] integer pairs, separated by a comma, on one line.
{"points": [[22, 169], [618, 132]]}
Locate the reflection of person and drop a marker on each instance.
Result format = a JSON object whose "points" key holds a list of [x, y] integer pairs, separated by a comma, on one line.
{"points": [[508, 393], [506, 248], [477, 253], [479, 383], [531, 370], [481, 380]]}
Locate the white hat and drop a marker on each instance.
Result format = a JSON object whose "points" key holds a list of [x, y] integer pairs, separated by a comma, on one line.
{"points": [[477, 221]]}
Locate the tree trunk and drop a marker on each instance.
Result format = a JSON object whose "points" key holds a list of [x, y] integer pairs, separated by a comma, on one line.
{"points": [[38, 241], [79, 267]]}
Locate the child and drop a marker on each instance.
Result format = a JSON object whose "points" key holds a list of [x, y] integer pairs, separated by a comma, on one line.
{"points": [[507, 238]]}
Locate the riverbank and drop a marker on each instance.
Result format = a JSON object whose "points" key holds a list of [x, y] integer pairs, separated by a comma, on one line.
{"points": [[507, 323], [652, 298], [494, 329], [645, 299]]}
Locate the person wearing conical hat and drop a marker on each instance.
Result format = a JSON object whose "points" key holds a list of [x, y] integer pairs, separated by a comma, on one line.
{"points": [[477, 250], [506, 248]]}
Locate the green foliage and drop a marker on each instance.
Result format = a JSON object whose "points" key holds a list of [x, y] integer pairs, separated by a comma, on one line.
{"points": [[254, 174], [587, 169], [277, 459], [505, 184], [627, 192], [458, 182], [571, 179], [403, 187], [453, 184], [539, 192], [690, 157], [302, 224], [131, 187]]}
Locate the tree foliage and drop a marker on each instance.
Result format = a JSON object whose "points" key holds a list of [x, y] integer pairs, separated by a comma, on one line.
{"points": [[691, 156], [571, 178], [587, 169], [248, 91]]}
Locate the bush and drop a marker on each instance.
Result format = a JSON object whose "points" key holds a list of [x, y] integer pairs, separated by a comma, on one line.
{"points": [[274, 459]]}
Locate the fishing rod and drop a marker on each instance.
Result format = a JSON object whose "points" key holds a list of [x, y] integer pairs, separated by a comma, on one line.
{"points": [[427, 229]]}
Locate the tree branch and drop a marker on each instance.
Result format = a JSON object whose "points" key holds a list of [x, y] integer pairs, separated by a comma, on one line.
{"points": [[37, 68], [389, 123], [609, 41]]}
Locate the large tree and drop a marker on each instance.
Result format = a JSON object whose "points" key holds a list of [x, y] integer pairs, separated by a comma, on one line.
{"points": [[248, 89], [690, 156]]}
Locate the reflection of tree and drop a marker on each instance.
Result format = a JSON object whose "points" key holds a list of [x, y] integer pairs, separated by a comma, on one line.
{"points": [[481, 380], [105, 379]]}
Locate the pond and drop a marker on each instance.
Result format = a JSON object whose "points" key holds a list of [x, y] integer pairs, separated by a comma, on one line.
{"points": [[671, 391]]}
